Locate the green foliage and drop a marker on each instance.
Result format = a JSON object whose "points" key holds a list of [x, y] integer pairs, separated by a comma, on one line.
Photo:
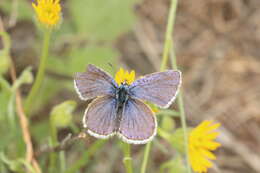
{"points": [[61, 116], [78, 59], [7, 95], [177, 140], [24, 10], [40, 131], [102, 19], [8, 120], [17, 164], [174, 165], [85, 158], [174, 138], [49, 90]]}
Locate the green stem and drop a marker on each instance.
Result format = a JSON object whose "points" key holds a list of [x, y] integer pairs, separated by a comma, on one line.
{"points": [[146, 156], [53, 143], [168, 35], [62, 161], [182, 113], [166, 50], [127, 158], [40, 74]]}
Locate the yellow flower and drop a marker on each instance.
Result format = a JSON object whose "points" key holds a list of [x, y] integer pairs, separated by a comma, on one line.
{"points": [[123, 77], [201, 145], [48, 12]]}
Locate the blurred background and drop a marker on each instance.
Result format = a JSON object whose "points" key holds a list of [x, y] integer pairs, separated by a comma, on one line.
{"points": [[217, 46]]}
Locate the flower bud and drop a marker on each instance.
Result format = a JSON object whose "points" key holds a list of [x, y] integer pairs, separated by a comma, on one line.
{"points": [[61, 115]]}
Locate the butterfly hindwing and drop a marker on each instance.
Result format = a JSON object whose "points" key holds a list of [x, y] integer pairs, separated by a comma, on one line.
{"points": [[95, 82], [118, 108], [138, 122], [100, 117], [159, 88]]}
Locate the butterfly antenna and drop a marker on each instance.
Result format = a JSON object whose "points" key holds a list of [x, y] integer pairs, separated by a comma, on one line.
{"points": [[113, 70]]}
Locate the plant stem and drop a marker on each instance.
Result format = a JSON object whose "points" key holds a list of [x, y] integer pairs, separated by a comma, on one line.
{"points": [[40, 74], [127, 158], [182, 113], [62, 161], [166, 50], [168, 35], [53, 142], [146, 155]]}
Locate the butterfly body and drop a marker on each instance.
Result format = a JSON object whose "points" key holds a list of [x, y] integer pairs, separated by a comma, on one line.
{"points": [[118, 108], [122, 94]]}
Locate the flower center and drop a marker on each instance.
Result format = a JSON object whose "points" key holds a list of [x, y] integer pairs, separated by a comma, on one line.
{"points": [[124, 77]]}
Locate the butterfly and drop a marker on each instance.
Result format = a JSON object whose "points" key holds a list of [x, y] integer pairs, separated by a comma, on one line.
{"points": [[118, 106]]}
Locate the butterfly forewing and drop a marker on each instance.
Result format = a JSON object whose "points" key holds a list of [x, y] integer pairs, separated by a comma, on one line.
{"points": [[100, 117], [138, 123], [95, 82], [116, 112], [159, 88]]}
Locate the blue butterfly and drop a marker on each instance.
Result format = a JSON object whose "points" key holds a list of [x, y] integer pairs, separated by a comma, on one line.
{"points": [[118, 108]]}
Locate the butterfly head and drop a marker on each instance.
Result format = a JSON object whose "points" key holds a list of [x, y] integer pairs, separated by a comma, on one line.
{"points": [[123, 77]]}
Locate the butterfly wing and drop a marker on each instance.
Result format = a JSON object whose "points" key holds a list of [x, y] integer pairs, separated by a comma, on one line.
{"points": [[159, 88], [100, 117], [95, 82], [138, 123]]}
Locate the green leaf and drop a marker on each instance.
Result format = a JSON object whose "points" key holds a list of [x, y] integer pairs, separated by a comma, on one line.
{"points": [[102, 19]]}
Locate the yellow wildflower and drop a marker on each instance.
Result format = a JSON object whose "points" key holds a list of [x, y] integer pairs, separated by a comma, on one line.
{"points": [[48, 12], [123, 77], [201, 145]]}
